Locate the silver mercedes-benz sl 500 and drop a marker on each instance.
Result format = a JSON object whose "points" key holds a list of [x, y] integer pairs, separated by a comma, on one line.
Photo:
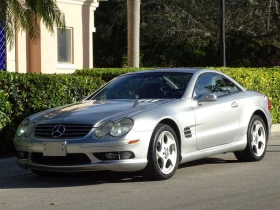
{"points": [[148, 121]]}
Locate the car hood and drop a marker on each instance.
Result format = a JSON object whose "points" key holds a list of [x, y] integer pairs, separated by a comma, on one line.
{"points": [[92, 111]]}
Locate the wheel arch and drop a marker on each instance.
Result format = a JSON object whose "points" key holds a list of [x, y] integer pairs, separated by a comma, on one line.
{"points": [[263, 116], [249, 154]]}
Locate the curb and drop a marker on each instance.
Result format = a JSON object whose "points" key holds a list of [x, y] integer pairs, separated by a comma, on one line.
{"points": [[275, 128]]}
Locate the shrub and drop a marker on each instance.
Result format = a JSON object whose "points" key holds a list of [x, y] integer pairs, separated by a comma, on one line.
{"points": [[5, 108], [106, 74], [24, 94], [265, 80]]}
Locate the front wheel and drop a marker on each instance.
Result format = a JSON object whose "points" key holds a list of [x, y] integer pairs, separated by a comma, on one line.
{"points": [[163, 154], [256, 141]]}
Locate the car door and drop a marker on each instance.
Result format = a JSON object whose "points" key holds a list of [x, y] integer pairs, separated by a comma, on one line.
{"points": [[217, 122]]}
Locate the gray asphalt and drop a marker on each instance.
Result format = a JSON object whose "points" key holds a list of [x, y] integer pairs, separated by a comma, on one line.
{"points": [[219, 182]]}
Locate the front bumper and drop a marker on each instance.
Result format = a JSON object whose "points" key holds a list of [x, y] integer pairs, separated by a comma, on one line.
{"points": [[115, 165], [35, 146]]}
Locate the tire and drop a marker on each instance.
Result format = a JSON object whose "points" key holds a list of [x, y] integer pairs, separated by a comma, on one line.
{"points": [[163, 154], [46, 173], [256, 141]]}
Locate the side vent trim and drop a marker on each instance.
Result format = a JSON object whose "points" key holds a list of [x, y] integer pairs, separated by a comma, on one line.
{"points": [[187, 132]]}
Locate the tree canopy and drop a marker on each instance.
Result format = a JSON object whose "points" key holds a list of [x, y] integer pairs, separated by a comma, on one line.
{"points": [[16, 15], [186, 33]]}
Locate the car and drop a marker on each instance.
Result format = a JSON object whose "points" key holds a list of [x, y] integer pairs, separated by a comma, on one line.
{"points": [[148, 122]]}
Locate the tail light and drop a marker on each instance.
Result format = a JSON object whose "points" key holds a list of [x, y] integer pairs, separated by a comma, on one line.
{"points": [[268, 104]]}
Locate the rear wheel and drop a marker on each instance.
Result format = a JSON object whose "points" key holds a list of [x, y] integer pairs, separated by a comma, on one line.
{"points": [[163, 154], [256, 141]]}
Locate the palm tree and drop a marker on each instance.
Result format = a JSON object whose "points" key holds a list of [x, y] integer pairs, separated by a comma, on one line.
{"points": [[133, 35], [25, 15]]}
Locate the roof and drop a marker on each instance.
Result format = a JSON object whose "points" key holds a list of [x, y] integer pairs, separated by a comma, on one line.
{"points": [[186, 70]]}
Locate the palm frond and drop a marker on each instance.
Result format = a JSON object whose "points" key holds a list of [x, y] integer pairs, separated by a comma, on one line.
{"points": [[16, 15]]}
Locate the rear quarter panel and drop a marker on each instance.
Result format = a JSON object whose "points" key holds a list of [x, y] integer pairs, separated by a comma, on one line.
{"points": [[251, 102]]}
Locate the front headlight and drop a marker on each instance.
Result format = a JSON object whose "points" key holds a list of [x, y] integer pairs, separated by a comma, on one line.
{"points": [[115, 129], [22, 128], [29, 130], [103, 129], [122, 127]]}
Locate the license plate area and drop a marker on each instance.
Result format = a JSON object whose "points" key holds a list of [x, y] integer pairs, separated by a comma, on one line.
{"points": [[54, 148]]}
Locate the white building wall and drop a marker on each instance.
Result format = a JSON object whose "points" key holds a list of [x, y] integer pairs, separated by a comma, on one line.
{"points": [[79, 15], [21, 50], [17, 59], [11, 59]]}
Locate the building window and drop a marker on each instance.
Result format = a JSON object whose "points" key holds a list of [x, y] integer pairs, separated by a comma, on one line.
{"points": [[65, 45]]}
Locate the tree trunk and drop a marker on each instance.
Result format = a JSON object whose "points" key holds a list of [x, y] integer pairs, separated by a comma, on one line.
{"points": [[133, 32]]}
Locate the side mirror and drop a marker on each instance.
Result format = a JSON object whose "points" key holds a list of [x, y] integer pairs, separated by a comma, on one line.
{"points": [[207, 98]]}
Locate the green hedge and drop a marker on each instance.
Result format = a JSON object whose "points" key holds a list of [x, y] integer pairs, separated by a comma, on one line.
{"points": [[106, 74], [24, 94], [265, 80]]}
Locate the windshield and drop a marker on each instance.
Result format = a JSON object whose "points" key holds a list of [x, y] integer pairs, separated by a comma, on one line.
{"points": [[153, 85]]}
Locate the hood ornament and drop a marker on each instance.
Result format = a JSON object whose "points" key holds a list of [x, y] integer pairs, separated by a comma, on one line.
{"points": [[58, 131]]}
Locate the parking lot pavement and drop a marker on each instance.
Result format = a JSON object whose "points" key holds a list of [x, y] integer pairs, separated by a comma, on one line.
{"points": [[9, 168], [218, 182], [274, 143]]}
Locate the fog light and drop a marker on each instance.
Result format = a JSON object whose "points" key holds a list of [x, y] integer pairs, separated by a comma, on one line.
{"points": [[127, 155], [112, 156], [22, 155]]}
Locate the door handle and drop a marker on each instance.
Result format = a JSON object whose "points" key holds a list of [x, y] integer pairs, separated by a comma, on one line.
{"points": [[234, 104]]}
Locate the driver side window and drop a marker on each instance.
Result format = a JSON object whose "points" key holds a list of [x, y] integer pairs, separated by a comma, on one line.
{"points": [[210, 83]]}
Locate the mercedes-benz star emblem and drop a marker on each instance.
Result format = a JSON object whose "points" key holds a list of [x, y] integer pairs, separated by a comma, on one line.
{"points": [[58, 131]]}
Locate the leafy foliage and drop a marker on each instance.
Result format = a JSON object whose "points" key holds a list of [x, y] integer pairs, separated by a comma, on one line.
{"points": [[22, 95], [265, 80], [106, 74], [5, 108], [16, 15], [187, 33]]}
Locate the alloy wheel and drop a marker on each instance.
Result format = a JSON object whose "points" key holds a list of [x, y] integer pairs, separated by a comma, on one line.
{"points": [[258, 138], [166, 152]]}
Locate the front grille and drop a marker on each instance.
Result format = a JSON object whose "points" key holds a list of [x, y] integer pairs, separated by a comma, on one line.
{"points": [[70, 159], [71, 131]]}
